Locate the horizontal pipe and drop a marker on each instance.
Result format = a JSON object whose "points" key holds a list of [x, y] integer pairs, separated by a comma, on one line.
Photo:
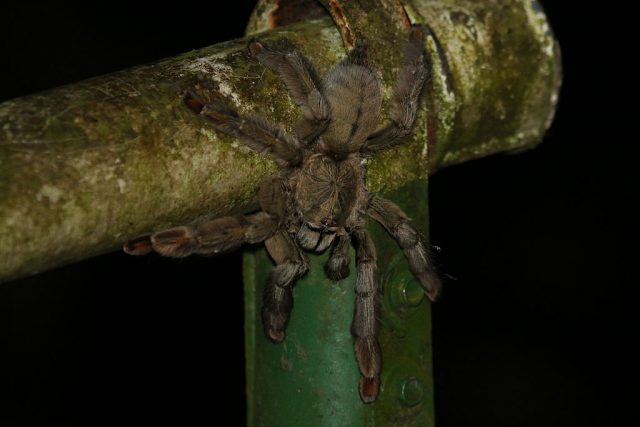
{"points": [[87, 166]]}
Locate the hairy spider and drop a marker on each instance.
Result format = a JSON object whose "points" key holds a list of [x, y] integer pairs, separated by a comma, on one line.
{"points": [[320, 198]]}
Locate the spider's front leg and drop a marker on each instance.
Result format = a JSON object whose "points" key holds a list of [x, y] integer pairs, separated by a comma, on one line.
{"points": [[251, 129], [396, 222], [337, 267], [303, 84], [365, 320], [405, 100], [291, 264]]}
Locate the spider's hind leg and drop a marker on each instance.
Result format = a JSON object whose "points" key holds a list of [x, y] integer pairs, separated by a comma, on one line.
{"points": [[208, 237], [396, 222], [365, 320]]}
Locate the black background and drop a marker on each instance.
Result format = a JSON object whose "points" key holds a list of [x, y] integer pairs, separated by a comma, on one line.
{"points": [[535, 322]]}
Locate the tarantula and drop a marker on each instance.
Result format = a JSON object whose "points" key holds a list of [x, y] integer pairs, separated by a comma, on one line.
{"points": [[320, 198]]}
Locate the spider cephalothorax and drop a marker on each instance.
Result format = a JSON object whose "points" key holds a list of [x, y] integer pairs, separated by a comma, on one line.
{"points": [[320, 198]]}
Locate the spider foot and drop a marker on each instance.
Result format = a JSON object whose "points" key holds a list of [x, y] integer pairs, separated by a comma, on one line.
{"points": [[256, 47], [274, 325], [275, 336], [369, 389], [369, 356], [138, 246], [430, 283], [192, 101], [275, 313], [274, 333], [337, 268]]}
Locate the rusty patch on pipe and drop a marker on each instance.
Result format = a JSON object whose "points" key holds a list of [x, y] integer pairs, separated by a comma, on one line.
{"points": [[405, 22], [335, 8], [272, 14], [442, 56]]}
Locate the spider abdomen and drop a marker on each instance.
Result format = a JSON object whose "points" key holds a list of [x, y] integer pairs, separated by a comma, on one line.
{"points": [[353, 93]]}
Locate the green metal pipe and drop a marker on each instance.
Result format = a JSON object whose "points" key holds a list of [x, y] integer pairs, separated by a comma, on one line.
{"points": [[311, 379]]}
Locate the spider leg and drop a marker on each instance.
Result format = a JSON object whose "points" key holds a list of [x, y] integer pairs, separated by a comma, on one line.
{"points": [[405, 99], [221, 234], [337, 267], [274, 198], [303, 84], [209, 237], [396, 222], [291, 264], [365, 320], [358, 55], [251, 129], [139, 246]]}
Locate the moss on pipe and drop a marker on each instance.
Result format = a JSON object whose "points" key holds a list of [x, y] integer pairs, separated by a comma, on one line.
{"points": [[87, 166]]}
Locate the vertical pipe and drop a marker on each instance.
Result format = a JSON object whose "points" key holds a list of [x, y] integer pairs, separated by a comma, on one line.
{"points": [[311, 379]]}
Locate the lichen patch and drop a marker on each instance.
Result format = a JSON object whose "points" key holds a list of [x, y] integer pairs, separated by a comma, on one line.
{"points": [[122, 185], [50, 192], [211, 68]]}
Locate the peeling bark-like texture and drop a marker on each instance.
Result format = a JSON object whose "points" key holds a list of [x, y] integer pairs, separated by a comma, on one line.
{"points": [[87, 166]]}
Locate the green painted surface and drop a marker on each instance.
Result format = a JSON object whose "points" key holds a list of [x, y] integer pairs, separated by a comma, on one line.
{"points": [[311, 379]]}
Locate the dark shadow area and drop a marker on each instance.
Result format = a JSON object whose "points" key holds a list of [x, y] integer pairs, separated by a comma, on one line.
{"points": [[533, 326], [534, 322]]}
